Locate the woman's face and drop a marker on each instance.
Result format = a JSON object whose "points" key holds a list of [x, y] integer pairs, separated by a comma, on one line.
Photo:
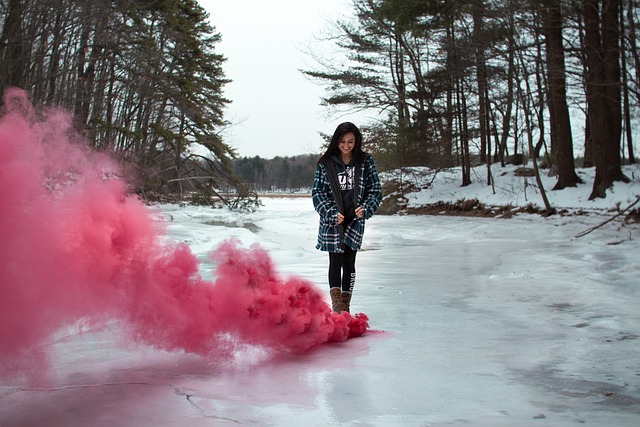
{"points": [[347, 142]]}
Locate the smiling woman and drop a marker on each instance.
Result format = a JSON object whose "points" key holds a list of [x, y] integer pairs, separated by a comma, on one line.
{"points": [[265, 44], [346, 192]]}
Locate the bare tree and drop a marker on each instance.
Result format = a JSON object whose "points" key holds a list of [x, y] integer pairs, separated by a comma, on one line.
{"points": [[560, 123], [602, 52]]}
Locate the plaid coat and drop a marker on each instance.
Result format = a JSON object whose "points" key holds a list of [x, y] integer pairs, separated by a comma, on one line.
{"points": [[368, 194]]}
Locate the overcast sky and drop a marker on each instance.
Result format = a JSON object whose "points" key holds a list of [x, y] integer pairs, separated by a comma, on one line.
{"points": [[276, 108]]}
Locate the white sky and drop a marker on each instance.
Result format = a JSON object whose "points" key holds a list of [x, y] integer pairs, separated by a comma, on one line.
{"points": [[275, 107]]}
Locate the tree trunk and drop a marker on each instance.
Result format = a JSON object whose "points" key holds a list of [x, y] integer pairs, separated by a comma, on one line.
{"points": [[54, 63], [527, 99], [541, 84], [464, 135], [602, 34], [481, 77], [625, 90], [79, 114], [506, 119], [488, 127], [587, 155], [560, 123], [632, 39], [449, 115], [14, 61]]}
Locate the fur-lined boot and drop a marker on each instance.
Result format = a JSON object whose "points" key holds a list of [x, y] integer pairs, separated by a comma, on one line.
{"points": [[346, 301], [337, 301]]}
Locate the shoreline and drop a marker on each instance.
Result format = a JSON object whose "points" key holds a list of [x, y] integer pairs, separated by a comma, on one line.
{"points": [[284, 195]]}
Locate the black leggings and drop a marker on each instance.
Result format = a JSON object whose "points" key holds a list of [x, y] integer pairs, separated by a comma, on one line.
{"points": [[342, 269]]}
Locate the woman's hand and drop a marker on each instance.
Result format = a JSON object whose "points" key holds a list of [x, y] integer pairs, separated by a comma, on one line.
{"points": [[359, 212], [340, 218]]}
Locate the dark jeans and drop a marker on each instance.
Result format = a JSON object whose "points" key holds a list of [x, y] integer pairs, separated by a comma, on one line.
{"points": [[342, 269]]}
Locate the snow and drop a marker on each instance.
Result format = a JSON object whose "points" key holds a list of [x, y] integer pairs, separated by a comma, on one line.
{"points": [[474, 322], [509, 189]]}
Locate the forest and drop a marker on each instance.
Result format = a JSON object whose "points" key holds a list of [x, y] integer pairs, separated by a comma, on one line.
{"points": [[280, 174], [492, 78], [142, 79], [458, 82]]}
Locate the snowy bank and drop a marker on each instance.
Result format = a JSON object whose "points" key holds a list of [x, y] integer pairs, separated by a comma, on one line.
{"points": [[425, 190]]}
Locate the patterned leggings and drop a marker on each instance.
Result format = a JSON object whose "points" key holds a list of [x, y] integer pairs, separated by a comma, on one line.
{"points": [[342, 269]]}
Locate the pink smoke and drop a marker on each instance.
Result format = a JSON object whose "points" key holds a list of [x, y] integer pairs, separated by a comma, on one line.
{"points": [[75, 246]]}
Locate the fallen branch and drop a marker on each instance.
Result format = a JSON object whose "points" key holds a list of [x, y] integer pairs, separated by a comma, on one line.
{"points": [[589, 230]]}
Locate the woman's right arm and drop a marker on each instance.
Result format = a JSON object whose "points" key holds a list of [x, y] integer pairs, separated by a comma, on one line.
{"points": [[323, 201]]}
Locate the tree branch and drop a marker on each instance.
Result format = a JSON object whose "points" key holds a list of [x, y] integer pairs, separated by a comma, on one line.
{"points": [[589, 230]]}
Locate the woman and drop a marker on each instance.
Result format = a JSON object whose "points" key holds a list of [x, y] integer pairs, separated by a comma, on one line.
{"points": [[346, 192]]}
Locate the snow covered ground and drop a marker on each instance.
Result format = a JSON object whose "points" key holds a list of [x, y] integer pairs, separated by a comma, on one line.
{"points": [[509, 189], [474, 322]]}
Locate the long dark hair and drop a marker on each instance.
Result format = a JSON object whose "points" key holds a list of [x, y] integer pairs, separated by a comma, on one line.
{"points": [[343, 128]]}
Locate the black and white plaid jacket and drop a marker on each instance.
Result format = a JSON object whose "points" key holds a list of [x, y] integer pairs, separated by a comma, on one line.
{"points": [[367, 193]]}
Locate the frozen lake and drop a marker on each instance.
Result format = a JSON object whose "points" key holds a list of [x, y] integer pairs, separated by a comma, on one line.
{"points": [[474, 322]]}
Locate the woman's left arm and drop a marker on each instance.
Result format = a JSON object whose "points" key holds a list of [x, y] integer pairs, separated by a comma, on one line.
{"points": [[372, 189]]}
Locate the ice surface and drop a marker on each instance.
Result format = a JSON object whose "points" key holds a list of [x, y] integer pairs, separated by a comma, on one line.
{"points": [[475, 322]]}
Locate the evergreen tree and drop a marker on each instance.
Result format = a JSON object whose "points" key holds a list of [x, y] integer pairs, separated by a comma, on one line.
{"points": [[142, 79]]}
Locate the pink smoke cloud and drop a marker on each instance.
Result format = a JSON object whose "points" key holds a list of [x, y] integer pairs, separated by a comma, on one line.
{"points": [[75, 246]]}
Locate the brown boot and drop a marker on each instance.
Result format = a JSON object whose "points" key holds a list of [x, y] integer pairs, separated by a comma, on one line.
{"points": [[337, 303], [346, 301]]}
